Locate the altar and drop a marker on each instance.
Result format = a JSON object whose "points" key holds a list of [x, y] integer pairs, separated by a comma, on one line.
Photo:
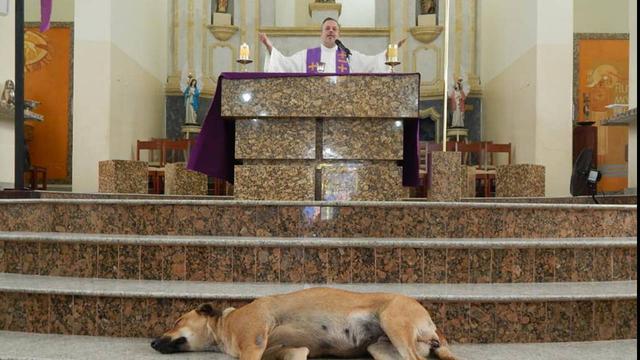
{"points": [[319, 137]]}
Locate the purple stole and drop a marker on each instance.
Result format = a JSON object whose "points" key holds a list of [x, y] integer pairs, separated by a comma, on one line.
{"points": [[314, 56]]}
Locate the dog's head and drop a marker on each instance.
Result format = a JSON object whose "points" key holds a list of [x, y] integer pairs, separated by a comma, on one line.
{"points": [[193, 331]]}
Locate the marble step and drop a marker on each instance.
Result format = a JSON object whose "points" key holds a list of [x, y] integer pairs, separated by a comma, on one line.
{"points": [[467, 313], [401, 219], [19, 345], [319, 260], [601, 199]]}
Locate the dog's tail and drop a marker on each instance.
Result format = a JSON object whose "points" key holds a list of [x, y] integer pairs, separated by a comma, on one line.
{"points": [[442, 351]]}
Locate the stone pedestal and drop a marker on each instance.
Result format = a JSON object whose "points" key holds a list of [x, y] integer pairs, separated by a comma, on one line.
{"points": [[122, 176], [427, 20], [180, 181], [221, 19], [445, 176], [320, 11], [520, 180], [468, 181]]}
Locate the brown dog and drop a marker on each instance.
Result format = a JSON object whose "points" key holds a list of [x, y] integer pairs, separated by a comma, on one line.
{"points": [[317, 322]]}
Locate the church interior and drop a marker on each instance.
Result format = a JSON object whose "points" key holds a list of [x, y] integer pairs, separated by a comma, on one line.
{"points": [[489, 171]]}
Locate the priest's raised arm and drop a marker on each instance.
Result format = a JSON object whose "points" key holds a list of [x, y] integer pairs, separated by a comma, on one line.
{"points": [[330, 57]]}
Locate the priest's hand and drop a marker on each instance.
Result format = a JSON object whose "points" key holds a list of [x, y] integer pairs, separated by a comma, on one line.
{"points": [[265, 40]]}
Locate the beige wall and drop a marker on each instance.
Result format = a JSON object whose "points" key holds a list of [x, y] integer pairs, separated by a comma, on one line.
{"points": [[526, 70], [7, 71], [597, 16], [62, 10], [508, 82], [91, 88], [554, 84], [139, 71], [120, 70]]}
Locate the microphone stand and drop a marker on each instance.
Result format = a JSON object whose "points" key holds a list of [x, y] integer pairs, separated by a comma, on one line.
{"points": [[341, 46]]}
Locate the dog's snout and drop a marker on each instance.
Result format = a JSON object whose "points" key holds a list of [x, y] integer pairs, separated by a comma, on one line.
{"points": [[434, 344], [165, 345]]}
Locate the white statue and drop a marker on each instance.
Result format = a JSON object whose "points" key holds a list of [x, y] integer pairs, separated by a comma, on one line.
{"points": [[7, 99], [191, 96], [457, 96]]}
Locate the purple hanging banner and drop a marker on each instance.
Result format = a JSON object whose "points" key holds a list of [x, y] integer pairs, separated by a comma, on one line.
{"points": [[45, 14]]}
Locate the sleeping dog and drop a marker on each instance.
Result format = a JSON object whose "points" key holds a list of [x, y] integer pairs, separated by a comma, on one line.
{"points": [[316, 322]]}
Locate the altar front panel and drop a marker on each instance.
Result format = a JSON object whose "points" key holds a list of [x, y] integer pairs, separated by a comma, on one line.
{"points": [[378, 139], [274, 182], [329, 138], [289, 138]]}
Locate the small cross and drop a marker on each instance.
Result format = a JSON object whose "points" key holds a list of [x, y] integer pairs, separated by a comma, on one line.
{"points": [[342, 68], [313, 66]]}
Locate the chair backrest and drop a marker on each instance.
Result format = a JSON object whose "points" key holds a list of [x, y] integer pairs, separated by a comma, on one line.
{"points": [[492, 149], [156, 155], [470, 148], [433, 146], [175, 150]]}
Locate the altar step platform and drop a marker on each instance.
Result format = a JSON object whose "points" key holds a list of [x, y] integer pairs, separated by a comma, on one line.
{"points": [[492, 273]]}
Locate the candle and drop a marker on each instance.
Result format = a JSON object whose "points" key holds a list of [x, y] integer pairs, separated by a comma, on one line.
{"points": [[244, 51], [392, 52]]}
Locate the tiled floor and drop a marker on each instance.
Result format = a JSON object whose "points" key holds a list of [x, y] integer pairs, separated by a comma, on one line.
{"points": [[17, 345]]}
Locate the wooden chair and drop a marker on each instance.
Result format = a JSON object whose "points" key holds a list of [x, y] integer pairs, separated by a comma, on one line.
{"points": [[422, 167], [467, 149], [176, 150], [487, 172], [155, 162], [32, 175]]}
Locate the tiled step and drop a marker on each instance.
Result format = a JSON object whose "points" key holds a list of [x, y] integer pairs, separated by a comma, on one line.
{"points": [[317, 219], [18, 345], [467, 313], [319, 260]]}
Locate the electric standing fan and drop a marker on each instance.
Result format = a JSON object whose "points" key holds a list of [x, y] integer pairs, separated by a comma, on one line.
{"points": [[584, 177]]}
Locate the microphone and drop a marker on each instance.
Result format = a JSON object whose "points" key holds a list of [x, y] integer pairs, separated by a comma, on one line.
{"points": [[343, 48]]}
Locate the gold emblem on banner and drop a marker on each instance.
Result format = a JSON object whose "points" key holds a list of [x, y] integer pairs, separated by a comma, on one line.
{"points": [[36, 51]]}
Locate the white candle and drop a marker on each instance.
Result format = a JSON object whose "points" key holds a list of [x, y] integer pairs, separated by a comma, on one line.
{"points": [[244, 51], [392, 52]]}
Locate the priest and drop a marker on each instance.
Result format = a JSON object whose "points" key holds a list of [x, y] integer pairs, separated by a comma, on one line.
{"points": [[330, 57]]}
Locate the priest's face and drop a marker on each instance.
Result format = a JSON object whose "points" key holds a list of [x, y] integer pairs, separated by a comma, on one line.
{"points": [[330, 32]]}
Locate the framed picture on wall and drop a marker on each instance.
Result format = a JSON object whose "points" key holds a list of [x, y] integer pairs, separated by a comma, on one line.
{"points": [[601, 79]]}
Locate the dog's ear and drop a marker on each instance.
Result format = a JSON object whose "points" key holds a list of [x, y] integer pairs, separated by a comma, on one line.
{"points": [[208, 310]]}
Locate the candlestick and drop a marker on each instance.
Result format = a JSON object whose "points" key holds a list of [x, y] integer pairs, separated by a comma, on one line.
{"points": [[392, 56]]}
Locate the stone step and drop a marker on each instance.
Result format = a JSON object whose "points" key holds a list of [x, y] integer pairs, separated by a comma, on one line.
{"points": [[319, 260], [601, 199], [317, 219], [467, 313], [19, 345]]}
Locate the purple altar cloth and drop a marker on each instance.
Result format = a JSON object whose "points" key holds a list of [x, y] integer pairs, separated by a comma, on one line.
{"points": [[214, 151]]}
